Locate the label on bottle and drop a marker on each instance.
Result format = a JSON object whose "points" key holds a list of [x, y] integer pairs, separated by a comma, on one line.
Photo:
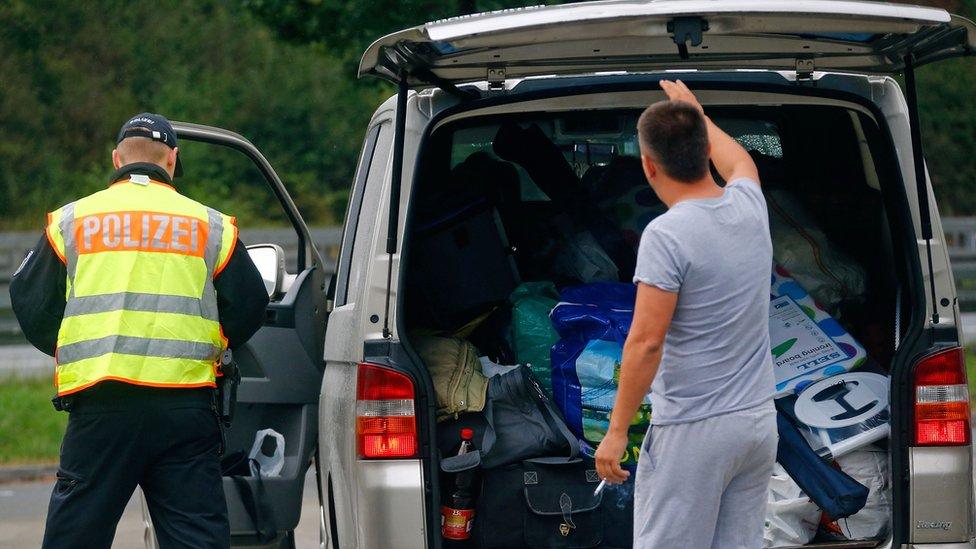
{"points": [[456, 523]]}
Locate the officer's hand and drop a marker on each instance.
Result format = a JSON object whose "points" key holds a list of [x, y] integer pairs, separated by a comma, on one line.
{"points": [[608, 455]]}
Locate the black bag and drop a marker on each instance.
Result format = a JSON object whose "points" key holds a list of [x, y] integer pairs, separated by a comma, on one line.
{"points": [[519, 422], [543, 502]]}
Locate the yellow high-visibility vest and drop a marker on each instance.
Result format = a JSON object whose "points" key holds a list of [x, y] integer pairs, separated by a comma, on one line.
{"points": [[140, 304]]}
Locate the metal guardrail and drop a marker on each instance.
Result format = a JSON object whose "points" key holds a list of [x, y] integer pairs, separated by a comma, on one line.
{"points": [[960, 233], [14, 246]]}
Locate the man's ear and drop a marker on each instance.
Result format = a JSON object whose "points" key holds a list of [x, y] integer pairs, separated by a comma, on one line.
{"points": [[171, 158], [116, 159], [650, 169]]}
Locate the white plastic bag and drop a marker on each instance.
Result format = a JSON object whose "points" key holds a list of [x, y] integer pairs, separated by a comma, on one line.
{"points": [[491, 369], [869, 466], [270, 465], [791, 518], [800, 246]]}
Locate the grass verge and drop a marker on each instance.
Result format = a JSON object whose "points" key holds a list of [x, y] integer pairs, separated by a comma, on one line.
{"points": [[30, 428]]}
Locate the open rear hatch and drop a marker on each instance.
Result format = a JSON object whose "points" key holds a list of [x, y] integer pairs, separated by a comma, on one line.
{"points": [[634, 36], [804, 35]]}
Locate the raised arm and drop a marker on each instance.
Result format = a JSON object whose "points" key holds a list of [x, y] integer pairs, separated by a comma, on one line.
{"points": [[730, 159]]}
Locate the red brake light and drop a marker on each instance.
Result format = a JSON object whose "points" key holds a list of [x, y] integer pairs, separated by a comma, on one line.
{"points": [[386, 425], [942, 412]]}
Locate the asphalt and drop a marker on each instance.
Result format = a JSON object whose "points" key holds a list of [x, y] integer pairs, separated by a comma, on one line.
{"points": [[23, 510]]}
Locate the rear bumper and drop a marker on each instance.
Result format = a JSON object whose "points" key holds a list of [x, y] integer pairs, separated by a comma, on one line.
{"points": [[941, 495], [971, 544]]}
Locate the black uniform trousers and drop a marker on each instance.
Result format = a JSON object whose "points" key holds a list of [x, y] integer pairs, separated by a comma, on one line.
{"points": [[163, 440]]}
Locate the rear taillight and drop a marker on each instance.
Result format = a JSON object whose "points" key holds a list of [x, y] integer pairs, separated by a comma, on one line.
{"points": [[385, 423], [942, 400]]}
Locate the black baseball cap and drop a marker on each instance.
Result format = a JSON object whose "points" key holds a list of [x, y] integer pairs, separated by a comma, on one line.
{"points": [[155, 127]]}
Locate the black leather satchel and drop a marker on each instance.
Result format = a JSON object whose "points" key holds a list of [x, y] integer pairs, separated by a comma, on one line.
{"points": [[518, 422], [543, 502]]}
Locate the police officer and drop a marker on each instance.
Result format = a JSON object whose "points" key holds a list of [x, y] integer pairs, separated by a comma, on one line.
{"points": [[136, 290]]}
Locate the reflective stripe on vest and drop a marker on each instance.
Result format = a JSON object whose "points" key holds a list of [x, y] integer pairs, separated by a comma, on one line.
{"points": [[140, 304]]}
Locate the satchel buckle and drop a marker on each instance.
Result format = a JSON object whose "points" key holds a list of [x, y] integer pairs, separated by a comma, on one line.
{"points": [[566, 506]]}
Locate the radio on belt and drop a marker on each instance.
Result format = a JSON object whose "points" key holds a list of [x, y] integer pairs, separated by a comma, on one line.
{"points": [[227, 387]]}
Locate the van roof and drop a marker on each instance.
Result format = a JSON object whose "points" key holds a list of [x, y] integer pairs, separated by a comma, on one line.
{"points": [[642, 35]]}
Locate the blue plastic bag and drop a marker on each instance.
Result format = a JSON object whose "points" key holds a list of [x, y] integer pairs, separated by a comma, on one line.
{"points": [[592, 321]]}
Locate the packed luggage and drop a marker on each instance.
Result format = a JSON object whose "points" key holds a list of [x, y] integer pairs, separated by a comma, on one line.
{"points": [[521, 321], [592, 321], [532, 442]]}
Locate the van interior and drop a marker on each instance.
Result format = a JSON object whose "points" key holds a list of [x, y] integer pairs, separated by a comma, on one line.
{"points": [[560, 196]]}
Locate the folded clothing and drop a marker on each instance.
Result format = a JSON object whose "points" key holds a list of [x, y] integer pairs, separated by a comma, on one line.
{"points": [[456, 374]]}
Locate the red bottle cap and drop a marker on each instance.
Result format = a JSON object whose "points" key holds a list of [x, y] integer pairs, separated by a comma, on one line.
{"points": [[467, 433]]}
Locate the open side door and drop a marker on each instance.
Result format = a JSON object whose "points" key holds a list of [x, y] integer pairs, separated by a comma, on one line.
{"points": [[281, 366]]}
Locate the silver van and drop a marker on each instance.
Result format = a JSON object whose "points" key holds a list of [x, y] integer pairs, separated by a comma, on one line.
{"points": [[808, 86]]}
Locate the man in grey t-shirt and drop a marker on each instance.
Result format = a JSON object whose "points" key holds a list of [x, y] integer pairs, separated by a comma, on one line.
{"points": [[699, 340]]}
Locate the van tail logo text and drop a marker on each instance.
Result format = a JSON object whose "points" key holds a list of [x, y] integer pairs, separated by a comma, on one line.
{"points": [[933, 525]]}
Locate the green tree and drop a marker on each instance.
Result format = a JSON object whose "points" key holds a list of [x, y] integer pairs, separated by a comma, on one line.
{"points": [[72, 75], [282, 73], [348, 26], [947, 111]]}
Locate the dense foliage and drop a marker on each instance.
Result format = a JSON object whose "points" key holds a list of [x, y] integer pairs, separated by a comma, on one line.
{"points": [[72, 72], [282, 73]]}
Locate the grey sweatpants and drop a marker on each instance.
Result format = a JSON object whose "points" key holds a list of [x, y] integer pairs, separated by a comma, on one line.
{"points": [[703, 484]]}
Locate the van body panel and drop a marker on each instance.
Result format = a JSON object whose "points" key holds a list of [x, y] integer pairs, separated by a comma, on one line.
{"points": [[344, 348], [337, 425], [964, 545], [641, 99], [942, 512], [390, 506], [375, 298], [377, 503], [891, 100]]}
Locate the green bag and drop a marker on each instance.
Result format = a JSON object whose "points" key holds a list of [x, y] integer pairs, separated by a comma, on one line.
{"points": [[532, 334], [456, 373]]}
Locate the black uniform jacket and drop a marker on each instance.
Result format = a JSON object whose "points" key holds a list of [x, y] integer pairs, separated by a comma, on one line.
{"points": [[37, 289]]}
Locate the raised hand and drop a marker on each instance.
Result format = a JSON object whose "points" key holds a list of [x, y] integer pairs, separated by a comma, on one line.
{"points": [[678, 91]]}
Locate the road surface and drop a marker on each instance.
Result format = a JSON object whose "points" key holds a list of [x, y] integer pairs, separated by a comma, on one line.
{"points": [[23, 509], [23, 506]]}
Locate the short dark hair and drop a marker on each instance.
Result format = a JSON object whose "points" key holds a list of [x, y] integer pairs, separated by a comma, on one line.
{"points": [[676, 136]]}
